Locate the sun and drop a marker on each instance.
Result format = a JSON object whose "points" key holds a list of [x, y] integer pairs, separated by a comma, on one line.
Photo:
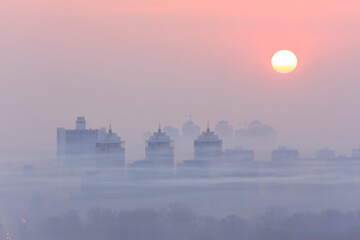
{"points": [[284, 61]]}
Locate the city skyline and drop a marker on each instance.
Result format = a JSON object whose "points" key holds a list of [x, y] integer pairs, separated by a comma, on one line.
{"points": [[179, 119], [256, 139], [130, 61]]}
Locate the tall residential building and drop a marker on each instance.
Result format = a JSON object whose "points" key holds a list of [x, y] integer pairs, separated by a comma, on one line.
{"points": [[160, 149], [208, 146], [111, 150], [79, 140]]}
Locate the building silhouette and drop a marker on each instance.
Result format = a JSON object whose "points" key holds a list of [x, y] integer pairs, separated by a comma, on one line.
{"points": [[284, 154], [226, 132], [80, 123], [172, 132], [238, 155], [160, 149], [111, 150], [259, 137], [190, 130], [79, 140], [207, 146], [325, 154]]}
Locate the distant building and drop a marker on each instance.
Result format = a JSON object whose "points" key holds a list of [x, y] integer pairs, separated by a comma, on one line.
{"points": [[356, 153], [325, 154], [185, 142], [257, 136], [111, 150], [226, 132], [79, 140], [80, 123], [208, 146], [238, 155], [172, 132], [224, 129], [190, 130], [159, 149], [284, 154]]}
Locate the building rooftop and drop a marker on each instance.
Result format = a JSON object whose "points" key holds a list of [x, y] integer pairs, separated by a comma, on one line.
{"points": [[111, 137], [159, 136], [207, 136]]}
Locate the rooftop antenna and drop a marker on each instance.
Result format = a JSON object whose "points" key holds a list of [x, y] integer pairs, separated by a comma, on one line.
{"points": [[208, 126], [110, 130], [159, 129], [189, 116]]}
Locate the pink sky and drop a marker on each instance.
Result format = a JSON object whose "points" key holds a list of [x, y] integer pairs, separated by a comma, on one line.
{"points": [[135, 62]]}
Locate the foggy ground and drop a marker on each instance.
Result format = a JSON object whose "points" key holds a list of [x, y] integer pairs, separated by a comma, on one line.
{"points": [[40, 203]]}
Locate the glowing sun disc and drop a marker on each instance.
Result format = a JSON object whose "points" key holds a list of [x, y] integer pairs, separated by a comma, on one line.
{"points": [[284, 61]]}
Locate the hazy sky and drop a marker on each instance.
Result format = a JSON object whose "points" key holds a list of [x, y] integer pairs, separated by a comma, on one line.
{"points": [[137, 62]]}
